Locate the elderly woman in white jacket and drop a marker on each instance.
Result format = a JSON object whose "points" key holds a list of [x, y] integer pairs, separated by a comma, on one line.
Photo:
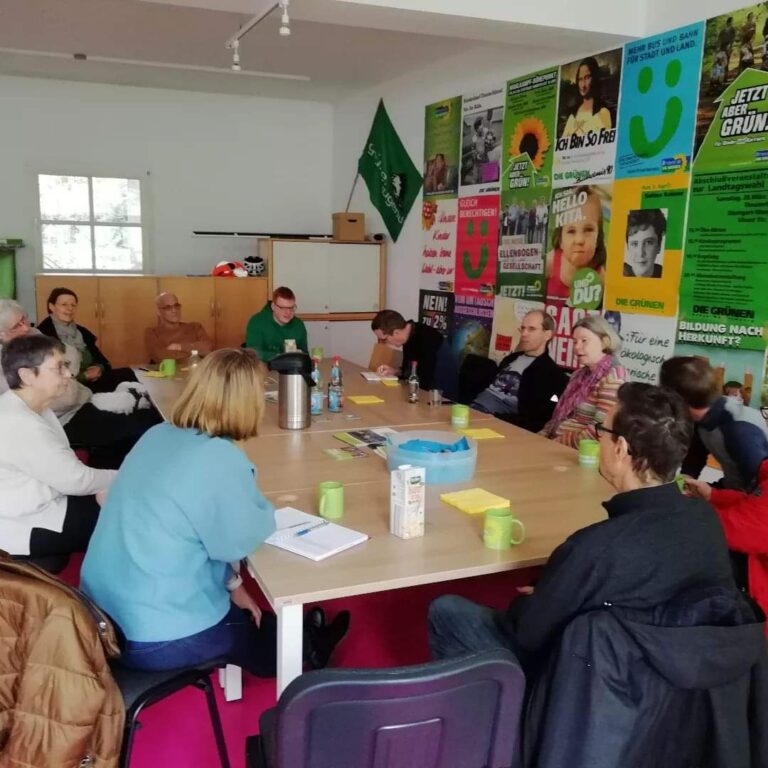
{"points": [[49, 499]]}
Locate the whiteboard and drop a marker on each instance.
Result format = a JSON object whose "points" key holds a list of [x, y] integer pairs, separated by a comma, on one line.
{"points": [[328, 277]]}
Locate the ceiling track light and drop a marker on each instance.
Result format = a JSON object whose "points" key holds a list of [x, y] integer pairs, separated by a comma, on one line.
{"points": [[233, 44]]}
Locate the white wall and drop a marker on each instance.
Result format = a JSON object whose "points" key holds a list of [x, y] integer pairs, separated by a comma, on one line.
{"points": [[663, 14], [210, 162]]}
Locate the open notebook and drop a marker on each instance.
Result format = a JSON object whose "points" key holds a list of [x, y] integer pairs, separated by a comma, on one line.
{"points": [[311, 536]]}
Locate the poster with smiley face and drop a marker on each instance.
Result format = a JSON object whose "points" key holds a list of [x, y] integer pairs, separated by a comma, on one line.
{"points": [[658, 103]]}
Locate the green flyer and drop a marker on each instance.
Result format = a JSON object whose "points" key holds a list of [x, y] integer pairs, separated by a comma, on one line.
{"points": [[725, 271], [737, 137], [442, 148]]}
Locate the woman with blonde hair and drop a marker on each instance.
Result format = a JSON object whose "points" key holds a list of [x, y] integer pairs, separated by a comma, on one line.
{"points": [[184, 506], [593, 388]]}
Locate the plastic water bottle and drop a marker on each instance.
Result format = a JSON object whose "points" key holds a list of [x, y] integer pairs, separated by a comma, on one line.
{"points": [[317, 377], [194, 359], [336, 388], [413, 384]]}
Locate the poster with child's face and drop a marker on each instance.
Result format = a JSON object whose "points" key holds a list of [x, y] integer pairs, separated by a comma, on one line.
{"points": [[575, 265], [586, 119]]}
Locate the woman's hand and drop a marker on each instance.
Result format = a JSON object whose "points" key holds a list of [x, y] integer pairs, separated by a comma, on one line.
{"points": [[93, 372], [101, 497], [242, 599], [697, 488]]}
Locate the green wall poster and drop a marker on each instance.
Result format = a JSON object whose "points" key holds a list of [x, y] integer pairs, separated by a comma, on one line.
{"points": [[737, 137], [725, 271], [526, 180], [442, 142]]}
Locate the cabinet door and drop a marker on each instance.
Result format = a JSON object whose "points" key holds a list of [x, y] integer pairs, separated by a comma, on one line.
{"points": [[303, 267], [86, 288], [197, 299], [127, 309], [237, 299]]}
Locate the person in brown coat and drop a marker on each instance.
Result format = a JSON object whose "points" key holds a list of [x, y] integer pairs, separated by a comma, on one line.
{"points": [[59, 705], [171, 338]]}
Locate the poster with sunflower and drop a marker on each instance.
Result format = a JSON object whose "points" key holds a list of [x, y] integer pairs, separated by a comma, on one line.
{"points": [[526, 181], [585, 151], [481, 130]]}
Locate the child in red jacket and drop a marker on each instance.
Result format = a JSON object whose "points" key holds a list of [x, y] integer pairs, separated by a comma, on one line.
{"points": [[744, 518]]}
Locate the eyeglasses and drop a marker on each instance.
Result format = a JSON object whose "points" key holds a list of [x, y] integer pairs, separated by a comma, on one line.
{"points": [[171, 306], [291, 308], [764, 411], [61, 368], [20, 324], [601, 430]]}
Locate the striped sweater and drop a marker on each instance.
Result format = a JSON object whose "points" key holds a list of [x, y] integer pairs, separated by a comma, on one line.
{"points": [[581, 424]]}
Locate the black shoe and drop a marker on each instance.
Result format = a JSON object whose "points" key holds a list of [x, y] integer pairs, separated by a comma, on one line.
{"points": [[314, 619], [323, 640]]}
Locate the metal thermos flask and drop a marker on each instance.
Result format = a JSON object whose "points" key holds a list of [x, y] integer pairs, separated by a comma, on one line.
{"points": [[294, 371]]}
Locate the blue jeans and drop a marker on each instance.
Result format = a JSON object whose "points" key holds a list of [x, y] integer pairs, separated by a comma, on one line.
{"points": [[458, 626], [235, 638]]}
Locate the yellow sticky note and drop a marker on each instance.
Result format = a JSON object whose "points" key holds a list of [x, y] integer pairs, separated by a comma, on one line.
{"points": [[364, 399], [390, 382], [474, 501], [153, 374], [480, 433]]}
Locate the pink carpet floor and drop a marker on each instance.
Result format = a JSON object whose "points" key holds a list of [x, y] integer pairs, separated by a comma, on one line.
{"points": [[387, 629]]}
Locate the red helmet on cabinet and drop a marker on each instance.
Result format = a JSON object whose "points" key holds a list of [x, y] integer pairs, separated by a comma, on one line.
{"points": [[229, 269]]}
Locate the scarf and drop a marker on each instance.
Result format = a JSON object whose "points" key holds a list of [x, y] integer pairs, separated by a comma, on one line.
{"points": [[581, 384], [69, 334]]}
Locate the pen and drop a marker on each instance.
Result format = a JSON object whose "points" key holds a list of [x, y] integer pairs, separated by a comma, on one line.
{"points": [[311, 528]]}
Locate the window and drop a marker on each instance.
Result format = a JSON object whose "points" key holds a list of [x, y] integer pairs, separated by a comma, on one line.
{"points": [[90, 223]]}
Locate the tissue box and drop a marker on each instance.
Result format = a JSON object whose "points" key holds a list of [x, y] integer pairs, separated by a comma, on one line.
{"points": [[348, 226]]}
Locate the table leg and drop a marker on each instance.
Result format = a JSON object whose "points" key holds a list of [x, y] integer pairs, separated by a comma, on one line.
{"points": [[290, 644]]}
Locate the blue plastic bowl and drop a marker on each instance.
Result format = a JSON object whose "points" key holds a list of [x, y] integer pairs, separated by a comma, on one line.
{"points": [[441, 467]]}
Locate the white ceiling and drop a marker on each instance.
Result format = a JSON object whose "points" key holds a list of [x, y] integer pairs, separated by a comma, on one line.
{"points": [[335, 45]]}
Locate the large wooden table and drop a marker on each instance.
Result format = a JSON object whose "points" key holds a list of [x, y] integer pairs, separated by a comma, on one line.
{"points": [[549, 492]]}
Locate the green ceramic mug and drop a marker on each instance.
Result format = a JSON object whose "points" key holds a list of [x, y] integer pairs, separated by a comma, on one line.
{"points": [[168, 367], [330, 499], [502, 529], [589, 453]]}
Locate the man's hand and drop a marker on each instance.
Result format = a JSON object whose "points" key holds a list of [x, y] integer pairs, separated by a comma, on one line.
{"points": [[386, 370], [174, 347], [697, 488], [242, 599], [93, 372]]}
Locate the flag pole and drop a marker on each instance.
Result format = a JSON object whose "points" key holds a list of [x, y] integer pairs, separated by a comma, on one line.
{"points": [[351, 192]]}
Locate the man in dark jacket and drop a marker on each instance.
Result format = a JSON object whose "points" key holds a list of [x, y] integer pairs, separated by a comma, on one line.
{"points": [[653, 574], [528, 382], [420, 343]]}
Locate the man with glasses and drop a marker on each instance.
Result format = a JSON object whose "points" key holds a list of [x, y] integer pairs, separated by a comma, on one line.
{"points": [[635, 621], [171, 338], [268, 330], [419, 342]]}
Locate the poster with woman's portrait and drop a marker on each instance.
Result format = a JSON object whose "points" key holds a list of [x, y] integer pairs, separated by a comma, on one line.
{"points": [[585, 150]]}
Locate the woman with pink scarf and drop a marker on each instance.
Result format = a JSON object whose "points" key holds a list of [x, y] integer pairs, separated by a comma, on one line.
{"points": [[591, 392]]}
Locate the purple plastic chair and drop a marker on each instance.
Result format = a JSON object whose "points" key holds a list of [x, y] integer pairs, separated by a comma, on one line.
{"points": [[457, 713]]}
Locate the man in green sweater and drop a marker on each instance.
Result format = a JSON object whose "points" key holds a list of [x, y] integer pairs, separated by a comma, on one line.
{"points": [[268, 330]]}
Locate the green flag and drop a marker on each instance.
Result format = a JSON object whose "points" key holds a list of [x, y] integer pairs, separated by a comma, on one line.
{"points": [[393, 180]]}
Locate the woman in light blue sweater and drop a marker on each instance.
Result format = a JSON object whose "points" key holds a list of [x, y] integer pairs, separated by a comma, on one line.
{"points": [[184, 506]]}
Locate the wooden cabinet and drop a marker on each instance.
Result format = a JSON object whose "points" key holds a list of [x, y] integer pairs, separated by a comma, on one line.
{"points": [[126, 309], [117, 309], [236, 300]]}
